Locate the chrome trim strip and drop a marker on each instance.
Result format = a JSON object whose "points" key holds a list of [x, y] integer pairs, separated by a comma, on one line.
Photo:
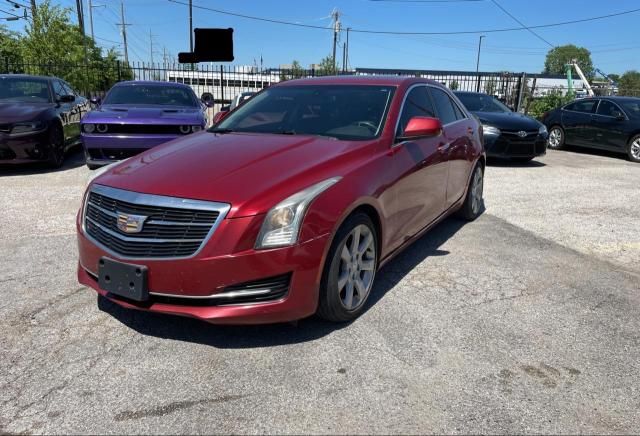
{"points": [[176, 223], [130, 239], [158, 201], [102, 209], [221, 295]]}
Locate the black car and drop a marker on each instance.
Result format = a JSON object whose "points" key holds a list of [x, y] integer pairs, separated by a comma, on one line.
{"points": [[507, 134], [607, 123], [39, 119]]}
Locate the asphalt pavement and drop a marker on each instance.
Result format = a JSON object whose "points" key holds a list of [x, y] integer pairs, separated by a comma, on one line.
{"points": [[524, 321]]}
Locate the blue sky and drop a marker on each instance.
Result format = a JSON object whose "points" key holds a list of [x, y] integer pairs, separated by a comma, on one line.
{"points": [[614, 43]]}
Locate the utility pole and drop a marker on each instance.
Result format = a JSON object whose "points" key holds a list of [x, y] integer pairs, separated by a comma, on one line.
{"points": [[91, 7], [191, 25], [344, 57], [80, 15], [346, 61], [335, 14], [478, 63], [124, 32], [33, 8], [151, 45]]}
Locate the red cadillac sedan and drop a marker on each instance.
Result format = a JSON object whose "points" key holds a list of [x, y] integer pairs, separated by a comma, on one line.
{"points": [[287, 207]]}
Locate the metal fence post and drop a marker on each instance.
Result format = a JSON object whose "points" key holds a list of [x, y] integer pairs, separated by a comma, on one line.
{"points": [[222, 84], [478, 84], [521, 86], [119, 71], [6, 63]]}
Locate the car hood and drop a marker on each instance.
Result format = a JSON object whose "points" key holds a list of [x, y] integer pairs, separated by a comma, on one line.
{"points": [[508, 120], [252, 172], [13, 112], [122, 114]]}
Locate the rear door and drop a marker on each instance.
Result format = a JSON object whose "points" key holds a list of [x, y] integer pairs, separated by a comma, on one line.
{"points": [[608, 130], [64, 110], [576, 120], [458, 147], [421, 169]]}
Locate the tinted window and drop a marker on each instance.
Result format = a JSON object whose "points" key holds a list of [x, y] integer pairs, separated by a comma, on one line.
{"points": [[632, 108], [607, 108], [582, 106], [58, 89], [481, 102], [24, 89], [351, 112], [417, 104], [151, 95], [444, 106]]}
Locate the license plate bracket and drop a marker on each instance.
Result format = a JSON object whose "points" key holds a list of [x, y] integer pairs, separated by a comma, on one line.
{"points": [[123, 279]]}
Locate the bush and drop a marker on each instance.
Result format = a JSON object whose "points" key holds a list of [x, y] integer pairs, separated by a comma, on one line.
{"points": [[554, 99]]}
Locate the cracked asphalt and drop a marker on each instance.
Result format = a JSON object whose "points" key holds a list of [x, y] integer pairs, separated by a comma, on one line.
{"points": [[524, 321]]}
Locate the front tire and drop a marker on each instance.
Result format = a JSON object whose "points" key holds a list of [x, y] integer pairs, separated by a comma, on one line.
{"points": [[474, 203], [556, 138], [349, 270], [56, 146], [633, 149]]}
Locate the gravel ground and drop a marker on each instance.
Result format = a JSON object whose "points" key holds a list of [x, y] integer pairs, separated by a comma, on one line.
{"points": [[524, 321]]}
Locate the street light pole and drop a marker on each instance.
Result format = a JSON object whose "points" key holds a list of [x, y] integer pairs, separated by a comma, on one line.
{"points": [[478, 63]]}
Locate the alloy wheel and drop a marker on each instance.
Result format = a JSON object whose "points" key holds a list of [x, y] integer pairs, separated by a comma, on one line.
{"points": [[357, 267], [477, 187], [635, 149], [555, 138]]}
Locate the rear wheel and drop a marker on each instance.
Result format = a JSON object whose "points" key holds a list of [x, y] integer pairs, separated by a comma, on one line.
{"points": [[474, 202], [556, 138], [633, 149], [56, 146], [349, 270]]}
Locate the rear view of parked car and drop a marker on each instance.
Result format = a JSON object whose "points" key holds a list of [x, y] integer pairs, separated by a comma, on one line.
{"points": [[507, 134], [39, 119], [139, 115], [288, 206], [606, 123]]}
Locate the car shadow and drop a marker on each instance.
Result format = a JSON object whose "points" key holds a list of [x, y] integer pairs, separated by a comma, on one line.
{"points": [[238, 337], [595, 152], [74, 158], [506, 163]]}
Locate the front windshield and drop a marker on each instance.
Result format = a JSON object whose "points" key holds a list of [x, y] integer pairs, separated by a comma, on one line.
{"points": [[632, 108], [350, 112], [481, 103], [24, 90], [150, 95]]}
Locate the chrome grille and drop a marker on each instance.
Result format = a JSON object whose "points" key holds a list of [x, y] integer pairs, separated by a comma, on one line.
{"points": [[173, 227]]}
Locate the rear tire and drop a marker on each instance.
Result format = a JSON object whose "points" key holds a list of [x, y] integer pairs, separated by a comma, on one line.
{"points": [[633, 149], [556, 138], [56, 146], [349, 270], [473, 204]]}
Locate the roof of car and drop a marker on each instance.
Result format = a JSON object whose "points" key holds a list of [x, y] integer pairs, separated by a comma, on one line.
{"points": [[358, 80], [150, 82], [618, 98], [27, 76]]}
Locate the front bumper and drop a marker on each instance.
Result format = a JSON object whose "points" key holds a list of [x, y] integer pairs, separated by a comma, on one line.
{"points": [[24, 148], [103, 149], [509, 146], [223, 262]]}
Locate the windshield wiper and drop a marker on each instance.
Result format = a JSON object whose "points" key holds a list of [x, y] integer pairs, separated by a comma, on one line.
{"points": [[221, 131]]}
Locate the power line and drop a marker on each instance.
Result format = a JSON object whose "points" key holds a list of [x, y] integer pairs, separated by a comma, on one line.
{"points": [[495, 2], [425, 1], [389, 32]]}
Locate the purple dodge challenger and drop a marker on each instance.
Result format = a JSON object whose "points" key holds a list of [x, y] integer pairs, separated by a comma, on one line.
{"points": [[138, 115]]}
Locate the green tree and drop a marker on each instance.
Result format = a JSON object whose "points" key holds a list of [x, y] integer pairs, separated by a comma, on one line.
{"points": [[10, 47], [490, 86], [552, 100], [295, 72], [558, 57], [629, 83], [326, 67], [454, 85]]}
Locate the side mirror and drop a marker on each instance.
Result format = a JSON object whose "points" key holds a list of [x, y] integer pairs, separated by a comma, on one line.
{"points": [[220, 116], [208, 103], [67, 98], [420, 127], [95, 101]]}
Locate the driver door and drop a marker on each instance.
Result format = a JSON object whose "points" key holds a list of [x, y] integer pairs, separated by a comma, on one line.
{"points": [[419, 191]]}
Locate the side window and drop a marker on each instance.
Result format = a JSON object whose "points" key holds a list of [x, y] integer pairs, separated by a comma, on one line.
{"points": [[58, 89], [607, 108], [586, 106], [417, 104], [444, 106], [459, 114], [69, 89]]}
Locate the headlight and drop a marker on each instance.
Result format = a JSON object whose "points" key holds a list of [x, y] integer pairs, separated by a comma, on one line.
{"points": [[282, 224], [88, 128], [490, 130], [102, 128], [185, 129], [542, 130], [27, 127], [196, 128]]}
